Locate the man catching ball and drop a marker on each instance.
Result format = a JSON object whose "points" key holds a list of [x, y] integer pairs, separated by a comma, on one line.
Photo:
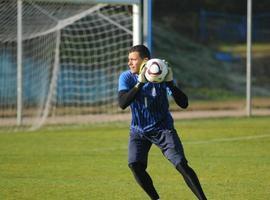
{"points": [[152, 122]]}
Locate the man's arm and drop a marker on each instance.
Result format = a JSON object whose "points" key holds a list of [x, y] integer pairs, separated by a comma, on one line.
{"points": [[126, 97], [179, 96]]}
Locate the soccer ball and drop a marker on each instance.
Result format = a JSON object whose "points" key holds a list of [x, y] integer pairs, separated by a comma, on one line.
{"points": [[156, 70]]}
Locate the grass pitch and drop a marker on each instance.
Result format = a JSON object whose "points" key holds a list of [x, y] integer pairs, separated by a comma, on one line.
{"points": [[230, 155]]}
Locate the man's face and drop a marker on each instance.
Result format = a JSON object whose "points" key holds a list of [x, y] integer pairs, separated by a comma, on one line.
{"points": [[134, 62]]}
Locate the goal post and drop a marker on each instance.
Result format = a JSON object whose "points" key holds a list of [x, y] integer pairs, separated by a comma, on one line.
{"points": [[19, 62], [60, 59]]}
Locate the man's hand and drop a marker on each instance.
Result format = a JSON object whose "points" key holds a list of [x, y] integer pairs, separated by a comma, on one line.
{"points": [[141, 76], [142, 66], [165, 61], [169, 76]]}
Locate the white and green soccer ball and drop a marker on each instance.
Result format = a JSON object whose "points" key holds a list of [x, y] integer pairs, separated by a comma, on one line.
{"points": [[156, 70]]}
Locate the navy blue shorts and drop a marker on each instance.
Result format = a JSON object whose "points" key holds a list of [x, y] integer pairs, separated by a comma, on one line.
{"points": [[167, 140]]}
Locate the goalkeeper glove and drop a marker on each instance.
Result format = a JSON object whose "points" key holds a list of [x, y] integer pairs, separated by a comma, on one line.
{"points": [[169, 76], [142, 66], [141, 76], [166, 63]]}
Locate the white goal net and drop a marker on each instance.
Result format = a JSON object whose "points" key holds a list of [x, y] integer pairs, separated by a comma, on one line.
{"points": [[71, 56]]}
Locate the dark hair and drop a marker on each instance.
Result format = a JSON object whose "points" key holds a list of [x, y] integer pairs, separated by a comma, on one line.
{"points": [[143, 51]]}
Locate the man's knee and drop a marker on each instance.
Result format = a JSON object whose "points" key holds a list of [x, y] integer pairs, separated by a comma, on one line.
{"points": [[183, 167], [137, 167]]}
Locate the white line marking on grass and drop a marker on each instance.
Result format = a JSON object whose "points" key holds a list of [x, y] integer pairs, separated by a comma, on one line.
{"points": [[227, 139]]}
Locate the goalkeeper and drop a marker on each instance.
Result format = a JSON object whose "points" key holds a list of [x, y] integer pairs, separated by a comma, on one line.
{"points": [[152, 122]]}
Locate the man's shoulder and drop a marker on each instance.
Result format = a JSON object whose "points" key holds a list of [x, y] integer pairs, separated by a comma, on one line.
{"points": [[127, 76], [126, 80], [126, 73]]}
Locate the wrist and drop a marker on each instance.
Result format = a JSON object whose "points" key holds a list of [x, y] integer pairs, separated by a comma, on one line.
{"points": [[170, 84], [139, 85]]}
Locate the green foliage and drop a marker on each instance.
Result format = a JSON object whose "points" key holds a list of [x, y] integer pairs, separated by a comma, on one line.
{"points": [[195, 66], [167, 9], [210, 94], [230, 156]]}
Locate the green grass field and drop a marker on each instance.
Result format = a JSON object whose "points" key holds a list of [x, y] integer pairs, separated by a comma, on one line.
{"points": [[230, 155]]}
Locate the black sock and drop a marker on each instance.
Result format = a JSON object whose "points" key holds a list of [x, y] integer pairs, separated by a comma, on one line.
{"points": [[143, 179], [191, 179]]}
